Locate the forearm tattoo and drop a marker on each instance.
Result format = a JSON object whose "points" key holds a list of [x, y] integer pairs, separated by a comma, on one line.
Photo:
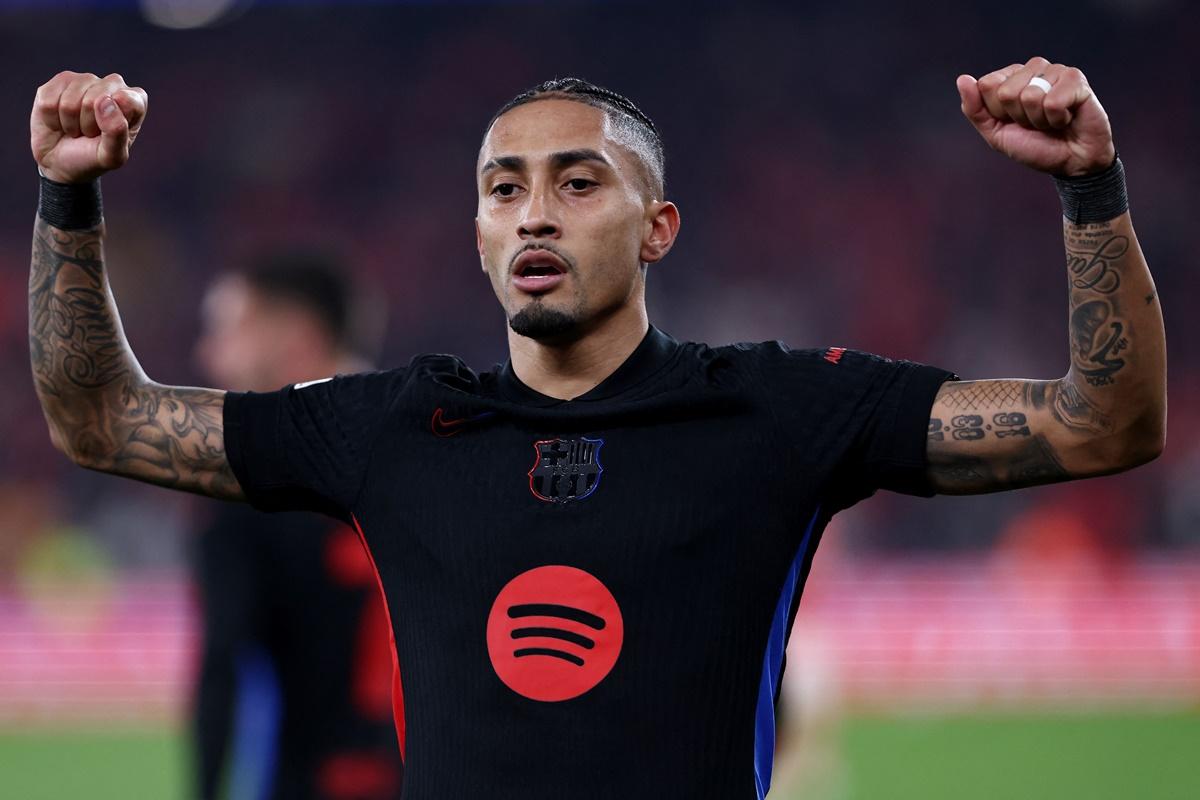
{"points": [[1092, 253], [1002, 434], [102, 409], [1099, 333]]}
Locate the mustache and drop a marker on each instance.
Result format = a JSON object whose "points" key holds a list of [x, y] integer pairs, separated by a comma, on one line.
{"points": [[549, 248]]}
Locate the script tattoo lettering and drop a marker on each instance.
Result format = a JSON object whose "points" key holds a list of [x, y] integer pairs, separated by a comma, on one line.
{"points": [[935, 430], [103, 410], [1093, 269], [1096, 339]]}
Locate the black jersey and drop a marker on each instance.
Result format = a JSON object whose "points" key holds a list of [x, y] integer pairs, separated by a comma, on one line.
{"points": [[591, 598], [297, 590]]}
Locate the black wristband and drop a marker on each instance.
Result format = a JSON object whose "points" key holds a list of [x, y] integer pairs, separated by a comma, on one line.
{"points": [[1094, 198], [70, 206]]}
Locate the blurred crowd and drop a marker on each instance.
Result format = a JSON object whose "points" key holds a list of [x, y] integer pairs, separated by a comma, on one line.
{"points": [[831, 194]]}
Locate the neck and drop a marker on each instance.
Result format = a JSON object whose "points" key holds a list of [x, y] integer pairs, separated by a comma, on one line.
{"points": [[565, 370]]}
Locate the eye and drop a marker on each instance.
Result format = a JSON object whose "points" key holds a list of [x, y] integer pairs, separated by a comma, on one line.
{"points": [[505, 189], [581, 184]]}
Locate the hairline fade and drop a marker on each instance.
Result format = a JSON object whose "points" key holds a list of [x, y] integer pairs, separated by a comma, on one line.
{"points": [[626, 124]]}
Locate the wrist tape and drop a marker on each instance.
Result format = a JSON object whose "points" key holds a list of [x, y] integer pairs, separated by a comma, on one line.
{"points": [[1094, 198], [70, 206]]}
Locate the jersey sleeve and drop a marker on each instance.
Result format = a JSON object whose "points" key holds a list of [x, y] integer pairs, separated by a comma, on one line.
{"points": [[858, 419], [892, 401], [306, 447]]}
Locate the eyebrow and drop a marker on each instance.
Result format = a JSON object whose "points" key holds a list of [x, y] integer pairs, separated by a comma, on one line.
{"points": [[558, 160]]}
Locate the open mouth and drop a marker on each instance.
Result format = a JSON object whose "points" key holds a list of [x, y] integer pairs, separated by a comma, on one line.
{"points": [[536, 271], [538, 263], [539, 270]]}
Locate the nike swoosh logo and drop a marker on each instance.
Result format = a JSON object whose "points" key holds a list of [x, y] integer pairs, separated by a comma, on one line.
{"points": [[448, 427]]}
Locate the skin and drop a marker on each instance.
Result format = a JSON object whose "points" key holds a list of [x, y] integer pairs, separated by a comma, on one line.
{"points": [[1108, 413], [600, 217], [255, 343], [597, 213]]}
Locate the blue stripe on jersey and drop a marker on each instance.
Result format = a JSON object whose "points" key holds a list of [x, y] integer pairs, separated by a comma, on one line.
{"points": [[764, 716]]}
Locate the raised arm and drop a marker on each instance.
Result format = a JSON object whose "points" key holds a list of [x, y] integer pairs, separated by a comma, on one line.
{"points": [[1108, 413], [103, 412]]}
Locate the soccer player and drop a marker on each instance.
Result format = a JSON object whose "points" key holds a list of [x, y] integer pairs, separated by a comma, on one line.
{"points": [[595, 551], [294, 628]]}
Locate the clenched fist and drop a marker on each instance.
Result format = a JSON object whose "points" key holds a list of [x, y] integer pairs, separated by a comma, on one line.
{"points": [[83, 126], [1062, 129]]}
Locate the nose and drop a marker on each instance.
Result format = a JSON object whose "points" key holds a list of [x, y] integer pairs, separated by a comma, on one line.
{"points": [[540, 221]]}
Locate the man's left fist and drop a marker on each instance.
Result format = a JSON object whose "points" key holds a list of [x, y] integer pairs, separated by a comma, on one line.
{"points": [[1062, 130]]}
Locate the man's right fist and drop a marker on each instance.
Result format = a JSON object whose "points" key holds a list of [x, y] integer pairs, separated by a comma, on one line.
{"points": [[83, 126]]}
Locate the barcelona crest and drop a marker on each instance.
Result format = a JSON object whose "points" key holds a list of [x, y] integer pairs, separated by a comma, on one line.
{"points": [[565, 469]]}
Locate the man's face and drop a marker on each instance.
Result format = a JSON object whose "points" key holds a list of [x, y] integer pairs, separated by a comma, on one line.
{"points": [[563, 214], [248, 343]]}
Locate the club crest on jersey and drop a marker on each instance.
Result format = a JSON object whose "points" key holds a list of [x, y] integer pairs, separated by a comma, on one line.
{"points": [[565, 469]]}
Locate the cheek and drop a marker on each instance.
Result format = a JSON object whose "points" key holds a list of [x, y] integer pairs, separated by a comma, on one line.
{"points": [[618, 247], [491, 244]]}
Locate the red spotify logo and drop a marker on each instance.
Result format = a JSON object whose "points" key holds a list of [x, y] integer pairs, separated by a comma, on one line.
{"points": [[554, 633]]}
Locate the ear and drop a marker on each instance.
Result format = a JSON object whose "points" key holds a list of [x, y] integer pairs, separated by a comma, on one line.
{"points": [[479, 245], [662, 226]]}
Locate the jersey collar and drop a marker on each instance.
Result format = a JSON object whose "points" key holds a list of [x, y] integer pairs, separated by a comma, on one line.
{"points": [[651, 355]]}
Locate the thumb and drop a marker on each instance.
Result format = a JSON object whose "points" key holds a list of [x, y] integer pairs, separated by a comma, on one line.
{"points": [[113, 149], [972, 104]]}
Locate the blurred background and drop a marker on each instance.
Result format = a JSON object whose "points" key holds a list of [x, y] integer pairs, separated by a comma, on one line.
{"points": [[1044, 643]]}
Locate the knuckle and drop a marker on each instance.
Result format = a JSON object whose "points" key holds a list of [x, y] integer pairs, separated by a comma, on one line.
{"points": [[115, 77]]}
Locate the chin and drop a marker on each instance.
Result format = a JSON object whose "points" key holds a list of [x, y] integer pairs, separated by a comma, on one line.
{"points": [[544, 323]]}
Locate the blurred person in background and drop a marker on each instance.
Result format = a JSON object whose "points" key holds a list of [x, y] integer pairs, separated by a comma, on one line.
{"points": [[610, 620], [294, 693]]}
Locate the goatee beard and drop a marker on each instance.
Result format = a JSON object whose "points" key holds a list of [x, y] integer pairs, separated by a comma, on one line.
{"points": [[540, 323]]}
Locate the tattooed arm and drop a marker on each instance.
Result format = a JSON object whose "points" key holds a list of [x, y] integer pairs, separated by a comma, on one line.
{"points": [[103, 412], [1108, 413]]}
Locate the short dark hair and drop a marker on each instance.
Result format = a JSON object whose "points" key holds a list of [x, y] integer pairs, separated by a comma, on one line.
{"points": [[313, 281], [646, 140]]}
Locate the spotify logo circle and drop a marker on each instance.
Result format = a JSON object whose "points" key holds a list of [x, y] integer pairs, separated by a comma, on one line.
{"points": [[554, 632]]}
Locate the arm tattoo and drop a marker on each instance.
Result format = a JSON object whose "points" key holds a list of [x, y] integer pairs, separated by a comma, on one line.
{"points": [[1090, 257], [1073, 410], [978, 395], [1034, 463], [103, 410], [1105, 415], [1097, 337], [989, 439]]}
